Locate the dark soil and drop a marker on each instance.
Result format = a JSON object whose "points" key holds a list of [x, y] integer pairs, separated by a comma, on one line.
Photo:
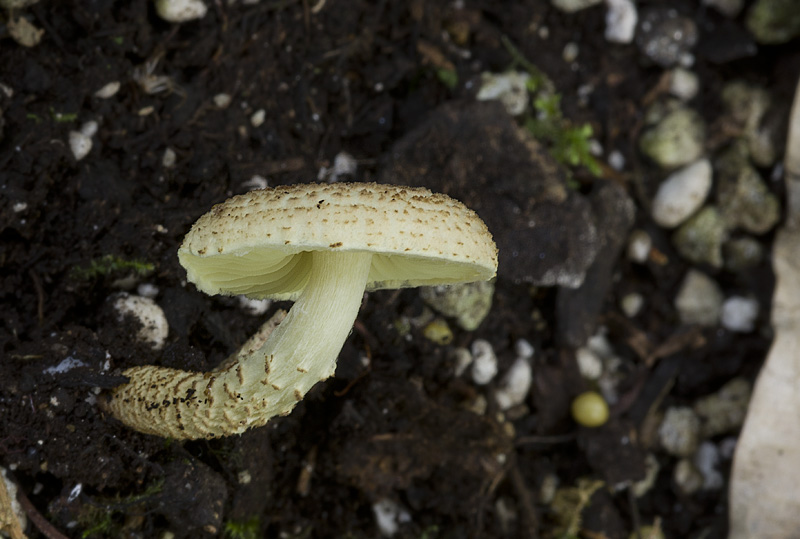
{"points": [[356, 76]]}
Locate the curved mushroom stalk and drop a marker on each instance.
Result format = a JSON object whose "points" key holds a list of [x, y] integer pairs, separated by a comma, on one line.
{"points": [[262, 383]]}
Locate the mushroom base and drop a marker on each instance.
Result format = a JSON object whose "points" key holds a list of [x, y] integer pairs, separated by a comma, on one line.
{"points": [[263, 382]]}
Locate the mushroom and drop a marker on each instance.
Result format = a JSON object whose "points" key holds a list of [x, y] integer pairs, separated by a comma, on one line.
{"points": [[322, 246]]}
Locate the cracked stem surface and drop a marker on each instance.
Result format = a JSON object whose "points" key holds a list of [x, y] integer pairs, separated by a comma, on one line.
{"points": [[265, 382]]}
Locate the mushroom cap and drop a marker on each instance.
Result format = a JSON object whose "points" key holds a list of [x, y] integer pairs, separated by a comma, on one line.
{"points": [[259, 243]]}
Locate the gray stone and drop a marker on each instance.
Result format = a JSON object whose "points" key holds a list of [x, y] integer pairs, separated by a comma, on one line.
{"points": [[679, 432], [468, 303], [745, 200], [665, 37], [678, 139], [724, 411], [774, 21], [578, 309], [700, 239], [475, 152], [699, 300]]}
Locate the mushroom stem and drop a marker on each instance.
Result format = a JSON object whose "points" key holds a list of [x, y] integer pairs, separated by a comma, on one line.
{"points": [[265, 382]]}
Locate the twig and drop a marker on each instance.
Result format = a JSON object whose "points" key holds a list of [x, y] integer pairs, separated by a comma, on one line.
{"points": [[41, 523], [530, 518]]}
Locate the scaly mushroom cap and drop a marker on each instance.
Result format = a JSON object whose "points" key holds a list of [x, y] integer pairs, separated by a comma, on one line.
{"points": [[259, 243]]}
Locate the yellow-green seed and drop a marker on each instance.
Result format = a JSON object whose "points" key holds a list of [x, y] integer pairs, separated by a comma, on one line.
{"points": [[438, 331], [590, 409]]}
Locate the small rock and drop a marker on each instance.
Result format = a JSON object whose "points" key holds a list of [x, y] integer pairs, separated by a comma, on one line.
{"points": [[510, 88], [524, 349], [679, 432], [571, 6], [222, 101], [621, 19], [745, 103], [80, 144], [484, 364], [469, 303], [683, 84], [258, 117], [700, 239], [742, 253], [665, 36], [706, 460], [745, 201], [169, 158], [590, 364], [631, 304], [729, 8], [774, 21], [678, 139], [462, 359], [699, 300], [682, 194], [687, 477], [514, 386], [739, 314], [180, 10], [109, 90], [724, 411], [389, 515], [639, 245], [23, 31], [155, 327]]}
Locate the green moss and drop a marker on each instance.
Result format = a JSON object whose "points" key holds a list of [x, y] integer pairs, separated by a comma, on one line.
{"points": [[242, 529], [110, 264], [568, 143], [448, 77], [63, 117]]}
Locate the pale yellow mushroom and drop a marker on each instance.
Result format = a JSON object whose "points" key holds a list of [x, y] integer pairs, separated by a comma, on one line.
{"points": [[322, 246]]}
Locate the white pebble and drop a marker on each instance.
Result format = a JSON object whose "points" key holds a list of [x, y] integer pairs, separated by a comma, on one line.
{"points": [[389, 515], [222, 101], [254, 307], [524, 349], [631, 304], [621, 19], [570, 52], [19, 207], [683, 84], [510, 88], [484, 364], [180, 10], [344, 164], [699, 300], [682, 194], [147, 290], [169, 158], [739, 314], [514, 386], [257, 119], [89, 128], [109, 90], [155, 327], [639, 246], [706, 460], [80, 144], [616, 160], [590, 364], [66, 365]]}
